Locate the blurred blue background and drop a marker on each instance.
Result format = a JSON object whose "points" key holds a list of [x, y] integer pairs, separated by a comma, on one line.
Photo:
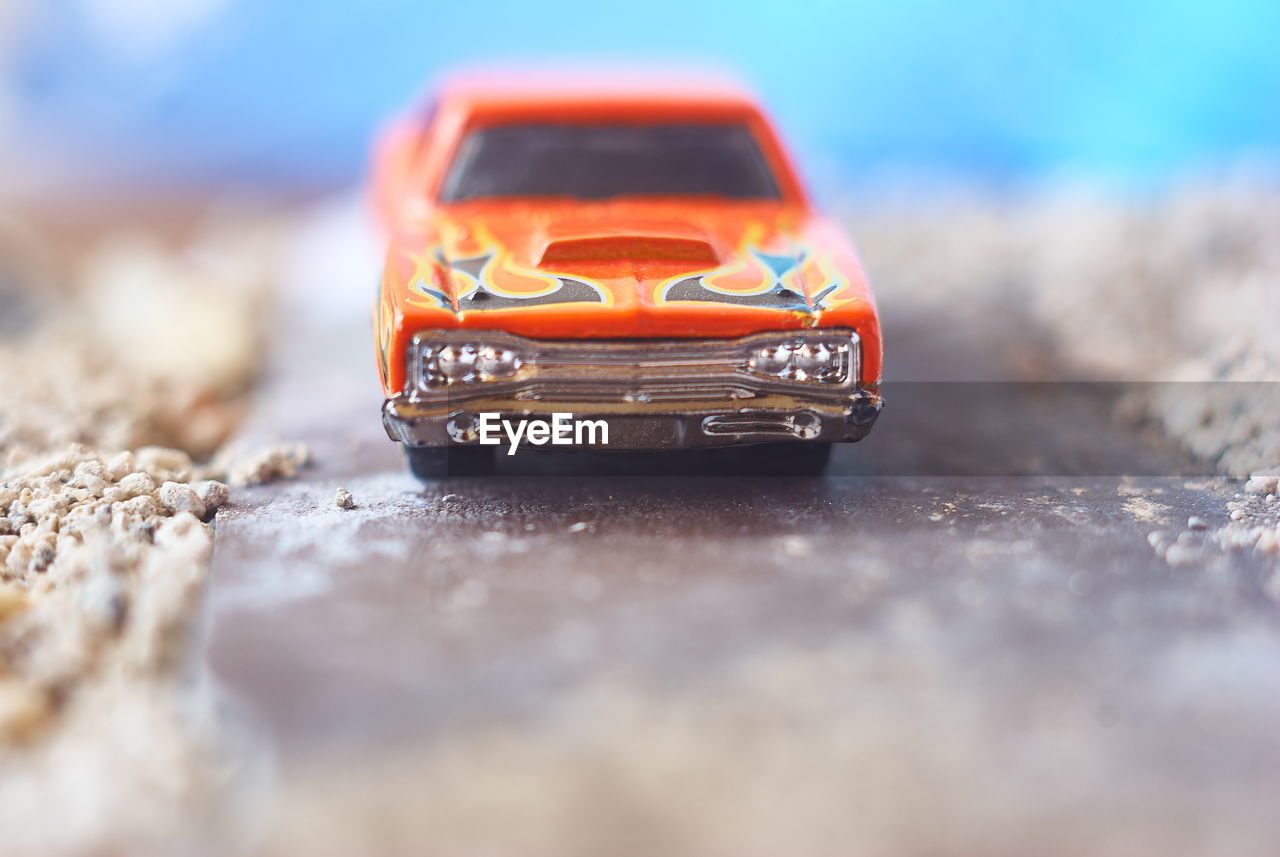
{"points": [[287, 92]]}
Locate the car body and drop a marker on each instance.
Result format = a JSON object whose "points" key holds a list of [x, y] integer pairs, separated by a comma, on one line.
{"points": [[641, 254]]}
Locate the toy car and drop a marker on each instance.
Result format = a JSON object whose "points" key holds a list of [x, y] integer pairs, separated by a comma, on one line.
{"points": [[606, 266]]}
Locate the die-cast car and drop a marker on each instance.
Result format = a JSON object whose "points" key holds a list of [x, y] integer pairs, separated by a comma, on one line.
{"points": [[641, 259]]}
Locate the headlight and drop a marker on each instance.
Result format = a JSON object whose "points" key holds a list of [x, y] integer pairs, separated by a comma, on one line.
{"points": [[803, 360], [465, 363]]}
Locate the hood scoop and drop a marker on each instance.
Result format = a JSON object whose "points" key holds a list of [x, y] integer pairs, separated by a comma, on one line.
{"points": [[609, 248]]}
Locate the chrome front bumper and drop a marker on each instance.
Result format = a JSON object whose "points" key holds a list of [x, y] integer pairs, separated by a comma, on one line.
{"points": [[652, 394]]}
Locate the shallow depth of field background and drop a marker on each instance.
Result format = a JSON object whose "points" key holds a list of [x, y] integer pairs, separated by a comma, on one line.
{"points": [[274, 94], [1040, 192]]}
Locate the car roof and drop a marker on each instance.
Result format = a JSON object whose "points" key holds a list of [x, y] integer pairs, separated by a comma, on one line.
{"points": [[644, 95], [648, 90]]}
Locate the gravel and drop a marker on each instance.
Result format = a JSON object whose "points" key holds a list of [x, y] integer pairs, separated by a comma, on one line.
{"points": [[138, 370]]}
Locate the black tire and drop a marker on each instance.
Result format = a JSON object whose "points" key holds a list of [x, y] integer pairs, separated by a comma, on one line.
{"points": [[445, 462], [799, 459]]}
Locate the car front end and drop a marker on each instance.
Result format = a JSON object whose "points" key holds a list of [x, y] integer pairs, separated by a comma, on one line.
{"points": [[649, 394], [615, 271]]}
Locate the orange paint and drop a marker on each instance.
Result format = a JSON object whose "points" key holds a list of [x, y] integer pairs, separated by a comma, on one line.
{"points": [[626, 258]]}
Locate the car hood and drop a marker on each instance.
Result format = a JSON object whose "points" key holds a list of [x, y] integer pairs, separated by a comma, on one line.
{"points": [[628, 269]]}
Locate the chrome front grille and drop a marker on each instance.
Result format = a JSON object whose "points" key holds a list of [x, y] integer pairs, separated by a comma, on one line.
{"points": [[646, 390], [635, 370]]}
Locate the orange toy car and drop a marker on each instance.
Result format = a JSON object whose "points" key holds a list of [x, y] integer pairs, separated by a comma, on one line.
{"points": [[612, 267]]}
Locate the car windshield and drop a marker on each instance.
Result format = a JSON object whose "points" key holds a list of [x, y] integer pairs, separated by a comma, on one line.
{"points": [[598, 161]]}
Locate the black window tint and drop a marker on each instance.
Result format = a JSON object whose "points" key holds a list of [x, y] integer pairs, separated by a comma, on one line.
{"points": [[600, 161]]}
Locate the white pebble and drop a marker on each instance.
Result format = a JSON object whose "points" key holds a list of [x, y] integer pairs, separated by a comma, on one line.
{"points": [[142, 506], [136, 483], [1261, 484], [178, 497], [115, 494], [95, 485], [212, 493], [119, 466]]}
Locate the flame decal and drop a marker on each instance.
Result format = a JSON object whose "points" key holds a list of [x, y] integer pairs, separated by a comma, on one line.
{"points": [[484, 275], [772, 276], [470, 270], [748, 273], [506, 277], [834, 290], [425, 280]]}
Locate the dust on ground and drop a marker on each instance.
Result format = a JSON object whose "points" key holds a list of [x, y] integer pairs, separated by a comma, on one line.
{"points": [[136, 370], [780, 753], [1177, 288], [118, 370], [1180, 285], [790, 748]]}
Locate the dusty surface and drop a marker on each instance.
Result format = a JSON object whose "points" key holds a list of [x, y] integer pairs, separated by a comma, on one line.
{"points": [[1016, 627], [134, 343], [112, 739], [101, 576], [943, 659], [720, 667], [1181, 288]]}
